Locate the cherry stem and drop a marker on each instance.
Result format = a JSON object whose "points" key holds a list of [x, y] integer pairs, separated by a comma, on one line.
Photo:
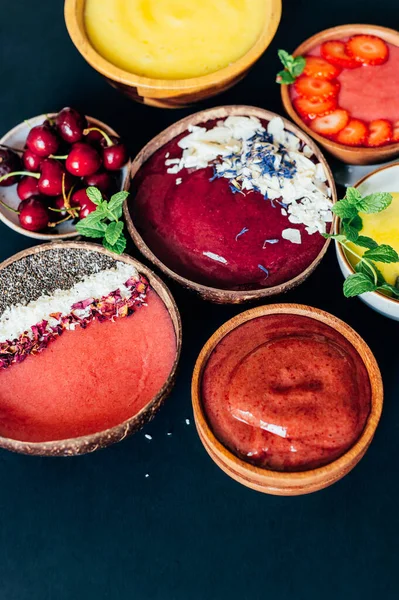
{"points": [[105, 135], [28, 173], [9, 207], [65, 156], [59, 222]]}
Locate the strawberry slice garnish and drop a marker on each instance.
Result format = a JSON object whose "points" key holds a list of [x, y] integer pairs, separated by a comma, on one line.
{"points": [[368, 49], [309, 108], [313, 87], [332, 123], [334, 52], [354, 134], [395, 132], [318, 67], [380, 132]]}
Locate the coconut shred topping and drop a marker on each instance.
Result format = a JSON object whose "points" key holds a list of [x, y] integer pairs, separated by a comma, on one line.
{"points": [[271, 161], [106, 295]]}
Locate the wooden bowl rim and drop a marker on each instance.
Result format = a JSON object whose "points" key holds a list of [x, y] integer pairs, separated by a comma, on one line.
{"points": [[53, 236], [81, 40], [337, 228], [179, 127], [326, 34], [120, 431], [296, 478]]}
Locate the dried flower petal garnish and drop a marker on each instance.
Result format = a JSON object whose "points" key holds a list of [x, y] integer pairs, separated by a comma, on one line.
{"points": [[82, 314]]}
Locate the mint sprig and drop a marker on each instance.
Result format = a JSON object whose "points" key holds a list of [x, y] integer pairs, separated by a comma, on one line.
{"points": [[293, 67], [368, 278], [104, 223]]}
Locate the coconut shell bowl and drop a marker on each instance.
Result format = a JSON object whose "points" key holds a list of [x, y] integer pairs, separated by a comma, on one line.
{"points": [[345, 153], [213, 294], [168, 93], [15, 138], [278, 482], [45, 269]]}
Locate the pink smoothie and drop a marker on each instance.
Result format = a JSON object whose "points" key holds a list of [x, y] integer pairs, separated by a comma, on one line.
{"points": [[89, 379], [286, 392]]}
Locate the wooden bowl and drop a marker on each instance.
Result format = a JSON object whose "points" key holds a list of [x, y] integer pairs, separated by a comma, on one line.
{"points": [[15, 138], [275, 482], [168, 93], [348, 154], [101, 439], [209, 293]]}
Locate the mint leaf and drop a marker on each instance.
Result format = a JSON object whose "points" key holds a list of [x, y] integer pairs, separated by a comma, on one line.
{"points": [[95, 230], [113, 232], [357, 223], [94, 218], [357, 284], [370, 270], [285, 78], [334, 236], [353, 196], [387, 287], [344, 209], [94, 194], [116, 202], [366, 242], [374, 203], [298, 66], [286, 58], [350, 232], [118, 247], [383, 253]]}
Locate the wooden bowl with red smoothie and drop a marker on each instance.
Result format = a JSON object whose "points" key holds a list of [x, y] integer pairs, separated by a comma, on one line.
{"points": [[82, 363], [286, 398], [231, 202], [347, 99]]}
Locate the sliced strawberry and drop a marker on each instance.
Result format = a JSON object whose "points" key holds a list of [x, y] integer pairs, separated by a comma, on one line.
{"points": [[309, 108], [318, 67], [380, 133], [354, 134], [332, 123], [395, 132], [335, 52], [368, 49], [312, 87]]}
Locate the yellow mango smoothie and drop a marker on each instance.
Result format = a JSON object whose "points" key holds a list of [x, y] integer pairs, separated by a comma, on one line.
{"points": [[174, 39], [383, 227]]}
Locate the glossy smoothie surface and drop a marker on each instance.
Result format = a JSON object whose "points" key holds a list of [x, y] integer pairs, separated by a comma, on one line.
{"points": [[181, 222], [89, 379], [174, 39], [286, 392]]}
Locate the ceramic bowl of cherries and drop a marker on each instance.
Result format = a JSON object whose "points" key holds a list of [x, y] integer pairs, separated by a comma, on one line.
{"points": [[46, 164]]}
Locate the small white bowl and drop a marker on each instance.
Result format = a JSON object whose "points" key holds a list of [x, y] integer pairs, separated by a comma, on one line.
{"points": [[15, 138], [384, 179]]}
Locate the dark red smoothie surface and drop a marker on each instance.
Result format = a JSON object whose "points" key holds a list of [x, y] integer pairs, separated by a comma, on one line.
{"points": [[181, 222], [90, 379], [291, 375]]}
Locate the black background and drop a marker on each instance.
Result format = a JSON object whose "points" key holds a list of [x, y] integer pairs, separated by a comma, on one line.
{"points": [[94, 526]]}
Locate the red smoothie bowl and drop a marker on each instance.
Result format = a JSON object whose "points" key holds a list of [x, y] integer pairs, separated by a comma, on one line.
{"points": [[230, 244], [85, 367], [363, 107], [286, 398]]}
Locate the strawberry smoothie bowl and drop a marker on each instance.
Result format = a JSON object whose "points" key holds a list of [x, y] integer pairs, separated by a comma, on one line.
{"points": [[231, 202], [81, 363], [345, 96], [286, 398]]}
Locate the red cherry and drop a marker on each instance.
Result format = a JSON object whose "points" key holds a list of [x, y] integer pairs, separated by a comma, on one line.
{"points": [[50, 182], [115, 156], [59, 204], [101, 180], [81, 199], [42, 140], [94, 138], [27, 187], [9, 163], [33, 214], [31, 160], [70, 124], [83, 160]]}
